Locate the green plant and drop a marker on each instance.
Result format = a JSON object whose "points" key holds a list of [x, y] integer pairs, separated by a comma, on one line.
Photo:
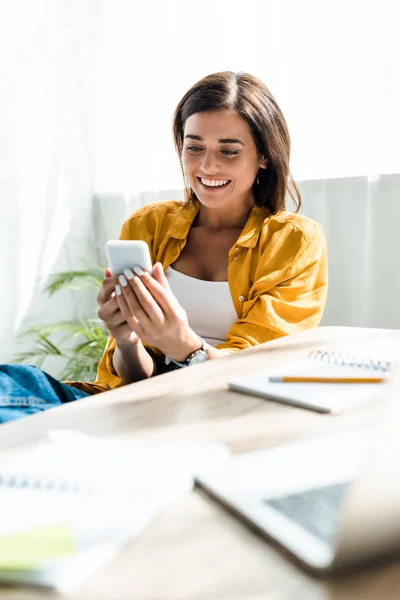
{"points": [[80, 343]]}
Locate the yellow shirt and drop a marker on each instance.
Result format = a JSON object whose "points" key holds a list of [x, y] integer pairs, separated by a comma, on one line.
{"points": [[277, 274]]}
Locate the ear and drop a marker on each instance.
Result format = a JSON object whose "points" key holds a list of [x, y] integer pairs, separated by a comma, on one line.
{"points": [[263, 162]]}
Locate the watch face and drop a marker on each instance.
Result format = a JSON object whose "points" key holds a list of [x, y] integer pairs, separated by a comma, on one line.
{"points": [[199, 357]]}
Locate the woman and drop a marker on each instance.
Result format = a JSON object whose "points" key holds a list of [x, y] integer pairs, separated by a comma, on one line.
{"points": [[233, 269]]}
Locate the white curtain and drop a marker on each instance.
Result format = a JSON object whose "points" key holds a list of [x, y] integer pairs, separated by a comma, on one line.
{"points": [[360, 217], [87, 91], [333, 67], [45, 189]]}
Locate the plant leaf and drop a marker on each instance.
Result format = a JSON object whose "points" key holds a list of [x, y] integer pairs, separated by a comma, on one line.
{"points": [[82, 359], [74, 280]]}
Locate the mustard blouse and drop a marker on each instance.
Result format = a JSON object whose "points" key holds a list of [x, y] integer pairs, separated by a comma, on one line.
{"points": [[277, 274]]}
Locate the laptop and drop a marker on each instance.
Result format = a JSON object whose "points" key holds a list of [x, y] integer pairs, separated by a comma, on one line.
{"points": [[332, 502]]}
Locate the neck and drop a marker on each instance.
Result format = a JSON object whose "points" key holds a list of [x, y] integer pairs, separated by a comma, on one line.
{"points": [[225, 217]]}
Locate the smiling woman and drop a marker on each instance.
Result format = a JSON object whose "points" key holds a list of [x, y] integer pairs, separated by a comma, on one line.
{"points": [[257, 129], [232, 268], [221, 170]]}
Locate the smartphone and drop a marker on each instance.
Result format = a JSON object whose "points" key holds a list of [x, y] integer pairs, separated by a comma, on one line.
{"points": [[125, 254]]}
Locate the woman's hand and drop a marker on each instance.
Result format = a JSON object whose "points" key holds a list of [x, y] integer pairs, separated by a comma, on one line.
{"points": [[149, 309], [109, 312]]}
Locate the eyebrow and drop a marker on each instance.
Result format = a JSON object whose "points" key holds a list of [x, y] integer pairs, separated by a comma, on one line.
{"points": [[221, 141]]}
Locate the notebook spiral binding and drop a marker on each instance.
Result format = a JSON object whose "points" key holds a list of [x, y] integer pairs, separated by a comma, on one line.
{"points": [[33, 482], [92, 488], [341, 358]]}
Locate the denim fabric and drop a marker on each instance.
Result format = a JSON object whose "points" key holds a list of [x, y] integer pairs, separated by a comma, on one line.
{"points": [[25, 390]]}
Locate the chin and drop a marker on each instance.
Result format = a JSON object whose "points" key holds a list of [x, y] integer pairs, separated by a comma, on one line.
{"points": [[212, 202], [212, 199]]}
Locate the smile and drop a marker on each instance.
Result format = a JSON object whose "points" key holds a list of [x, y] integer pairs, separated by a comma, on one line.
{"points": [[214, 183]]}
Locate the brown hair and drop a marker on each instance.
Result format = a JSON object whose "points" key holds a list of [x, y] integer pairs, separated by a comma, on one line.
{"points": [[249, 98]]}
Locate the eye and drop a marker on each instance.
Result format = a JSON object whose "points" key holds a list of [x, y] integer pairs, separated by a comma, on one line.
{"points": [[227, 152], [194, 149]]}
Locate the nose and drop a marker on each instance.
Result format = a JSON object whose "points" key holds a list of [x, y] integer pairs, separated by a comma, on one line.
{"points": [[210, 164]]}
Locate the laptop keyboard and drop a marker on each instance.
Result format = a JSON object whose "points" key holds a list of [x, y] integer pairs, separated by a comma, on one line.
{"points": [[317, 510]]}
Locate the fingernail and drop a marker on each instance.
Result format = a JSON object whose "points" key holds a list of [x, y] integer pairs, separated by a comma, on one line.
{"points": [[138, 270], [123, 281], [118, 290], [128, 274]]}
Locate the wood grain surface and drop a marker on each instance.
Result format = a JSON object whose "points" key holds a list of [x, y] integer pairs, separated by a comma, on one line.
{"points": [[195, 549]]}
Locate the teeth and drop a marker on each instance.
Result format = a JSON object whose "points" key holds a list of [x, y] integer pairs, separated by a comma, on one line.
{"points": [[214, 182]]}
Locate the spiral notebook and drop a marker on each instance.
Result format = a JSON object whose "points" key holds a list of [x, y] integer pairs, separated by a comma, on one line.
{"points": [[74, 501], [378, 357]]}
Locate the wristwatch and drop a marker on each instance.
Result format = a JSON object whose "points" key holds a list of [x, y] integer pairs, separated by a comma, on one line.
{"points": [[198, 356]]}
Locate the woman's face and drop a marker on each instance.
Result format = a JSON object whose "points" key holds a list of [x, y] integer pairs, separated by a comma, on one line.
{"points": [[220, 159]]}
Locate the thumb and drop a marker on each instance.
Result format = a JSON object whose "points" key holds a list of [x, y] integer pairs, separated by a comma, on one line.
{"points": [[108, 273], [159, 275]]}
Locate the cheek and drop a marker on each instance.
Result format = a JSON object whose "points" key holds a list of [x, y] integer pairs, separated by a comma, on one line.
{"points": [[188, 162], [242, 172]]}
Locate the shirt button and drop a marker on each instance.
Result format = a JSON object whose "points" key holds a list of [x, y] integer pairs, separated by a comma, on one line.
{"points": [[237, 249], [241, 298], [235, 258]]}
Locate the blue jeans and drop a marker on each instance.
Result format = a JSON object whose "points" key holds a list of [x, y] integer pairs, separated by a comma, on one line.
{"points": [[25, 390]]}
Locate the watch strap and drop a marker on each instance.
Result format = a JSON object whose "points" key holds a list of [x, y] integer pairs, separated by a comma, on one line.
{"points": [[187, 361]]}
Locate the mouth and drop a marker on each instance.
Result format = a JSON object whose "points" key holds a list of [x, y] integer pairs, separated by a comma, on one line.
{"points": [[213, 184]]}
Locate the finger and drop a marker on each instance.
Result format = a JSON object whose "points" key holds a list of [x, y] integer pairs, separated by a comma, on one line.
{"points": [[133, 304], [164, 297], [108, 272], [106, 290], [109, 312], [119, 328], [147, 302], [115, 322], [159, 275], [125, 300], [142, 304]]}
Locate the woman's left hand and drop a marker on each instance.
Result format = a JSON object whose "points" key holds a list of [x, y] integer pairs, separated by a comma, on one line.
{"points": [[153, 312]]}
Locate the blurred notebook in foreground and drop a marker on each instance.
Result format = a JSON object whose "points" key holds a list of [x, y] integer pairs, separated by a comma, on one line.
{"points": [[370, 359], [74, 501]]}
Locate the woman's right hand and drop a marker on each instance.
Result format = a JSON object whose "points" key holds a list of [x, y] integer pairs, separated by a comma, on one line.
{"points": [[110, 313]]}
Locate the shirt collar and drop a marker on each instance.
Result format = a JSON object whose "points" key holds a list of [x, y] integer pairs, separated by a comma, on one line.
{"points": [[251, 231], [179, 228], [248, 238]]}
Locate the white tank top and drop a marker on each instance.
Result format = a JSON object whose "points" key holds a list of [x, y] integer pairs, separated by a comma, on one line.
{"points": [[208, 305]]}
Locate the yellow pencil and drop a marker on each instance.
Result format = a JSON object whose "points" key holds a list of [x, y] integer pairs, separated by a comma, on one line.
{"points": [[295, 379]]}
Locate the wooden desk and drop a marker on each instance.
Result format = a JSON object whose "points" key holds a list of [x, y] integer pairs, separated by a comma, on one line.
{"points": [[195, 549]]}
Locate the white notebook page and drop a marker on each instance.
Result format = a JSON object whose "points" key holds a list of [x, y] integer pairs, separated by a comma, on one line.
{"points": [[323, 397]]}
